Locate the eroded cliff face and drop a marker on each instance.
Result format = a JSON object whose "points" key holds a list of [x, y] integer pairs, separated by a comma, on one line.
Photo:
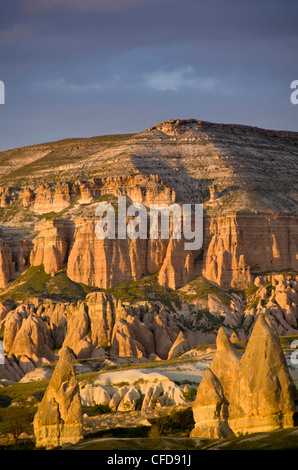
{"points": [[104, 263], [250, 227], [6, 264], [239, 245], [51, 245]]}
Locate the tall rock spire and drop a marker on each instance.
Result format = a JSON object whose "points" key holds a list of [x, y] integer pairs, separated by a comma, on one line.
{"points": [[58, 419]]}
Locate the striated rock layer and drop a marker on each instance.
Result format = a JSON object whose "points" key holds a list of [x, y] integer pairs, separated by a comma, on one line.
{"points": [[238, 245]]}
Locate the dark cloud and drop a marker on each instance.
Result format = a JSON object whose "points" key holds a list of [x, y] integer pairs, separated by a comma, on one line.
{"points": [[126, 64], [85, 5]]}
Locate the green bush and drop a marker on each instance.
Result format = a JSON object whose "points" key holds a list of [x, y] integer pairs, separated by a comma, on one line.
{"points": [[16, 420], [191, 394], [102, 408], [176, 422]]}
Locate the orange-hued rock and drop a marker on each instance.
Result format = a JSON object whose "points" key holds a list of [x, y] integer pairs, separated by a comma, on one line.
{"points": [[33, 340], [257, 388], [240, 244], [263, 396], [58, 420], [132, 338], [28, 196], [77, 338], [164, 337], [50, 247], [211, 409], [104, 263], [13, 323], [225, 363], [6, 264], [180, 346], [177, 267], [53, 197], [103, 311]]}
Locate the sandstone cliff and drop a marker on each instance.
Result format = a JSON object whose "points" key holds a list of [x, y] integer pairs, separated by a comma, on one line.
{"points": [[239, 245], [48, 221]]}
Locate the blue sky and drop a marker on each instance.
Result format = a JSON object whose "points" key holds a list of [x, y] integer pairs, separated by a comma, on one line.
{"points": [[79, 68]]}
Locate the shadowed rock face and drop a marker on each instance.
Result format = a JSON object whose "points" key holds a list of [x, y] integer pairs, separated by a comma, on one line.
{"points": [[257, 389], [225, 363], [263, 392], [33, 340], [58, 419], [180, 346], [211, 409]]}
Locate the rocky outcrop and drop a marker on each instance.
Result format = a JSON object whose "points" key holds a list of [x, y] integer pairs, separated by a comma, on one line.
{"points": [[275, 296], [257, 389], [143, 390], [51, 245], [10, 372], [54, 197], [77, 338], [6, 264], [225, 363], [33, 340], [99, 267], [177, 268], [164, 337], [103, 311], [58, 420], [180, 346], [230, 262], [211, 409], [263, 397], [132, 338]]}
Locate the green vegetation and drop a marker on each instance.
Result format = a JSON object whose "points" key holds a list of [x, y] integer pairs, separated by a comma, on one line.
{"points": [[286, 341], [120, 384], [35, 282], [251, 297], [146, 288], [177, 422], [55, 215], [16, 210], [191, 394], [96, 410], [23, 393], [16, 420], [200, 288], [55, 154]]}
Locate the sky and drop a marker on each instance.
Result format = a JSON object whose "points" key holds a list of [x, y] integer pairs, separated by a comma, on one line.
{"points": [[82, 68]]}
